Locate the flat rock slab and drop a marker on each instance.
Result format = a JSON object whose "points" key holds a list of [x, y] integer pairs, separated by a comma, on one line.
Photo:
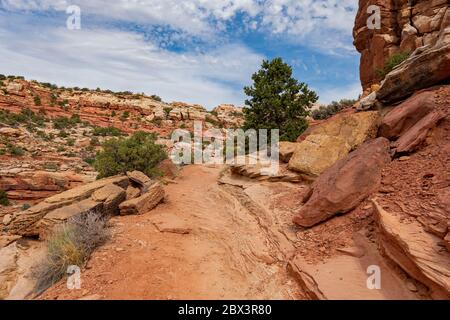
{"points": [[170, 223], [344, 277]]}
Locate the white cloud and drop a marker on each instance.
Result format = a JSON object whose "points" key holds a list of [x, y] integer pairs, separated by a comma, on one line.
{"points": [[324, 24], [124, 61]]}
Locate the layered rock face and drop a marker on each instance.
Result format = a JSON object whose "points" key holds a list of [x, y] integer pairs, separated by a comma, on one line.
{"points": [[405, 27], [125, 111]]}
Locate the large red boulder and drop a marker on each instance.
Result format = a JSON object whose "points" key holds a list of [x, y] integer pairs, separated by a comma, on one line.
{"points": [[346, 184], [406, 115]]}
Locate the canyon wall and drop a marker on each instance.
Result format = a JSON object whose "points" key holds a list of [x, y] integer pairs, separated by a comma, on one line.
{"points": [[405, 26]]}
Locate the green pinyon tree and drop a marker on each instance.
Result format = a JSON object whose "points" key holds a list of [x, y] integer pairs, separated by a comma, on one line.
{"points": [[278, 101]]}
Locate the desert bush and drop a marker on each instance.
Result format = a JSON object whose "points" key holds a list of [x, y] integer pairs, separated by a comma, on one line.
{"points": [[167, 111], [70, 142], [62, 123], [37, 101], [25, 206], [391, 62], [125, 115], [156, 98], [4, 201], [138, 152], [107, 132], [14, 150], [71, 244], [94, 142], [324, 112]]}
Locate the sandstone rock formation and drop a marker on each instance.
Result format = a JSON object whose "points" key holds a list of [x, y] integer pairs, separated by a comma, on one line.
{"points": [[411, 122], [415, 251], [405, 26], [346, 184], [104, 196], [287, 150], [39, 219], [146, 202], [332, 140]]}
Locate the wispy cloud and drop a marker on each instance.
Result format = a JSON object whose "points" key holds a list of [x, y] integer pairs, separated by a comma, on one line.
{"points": [[122, 60], [201, 51]]}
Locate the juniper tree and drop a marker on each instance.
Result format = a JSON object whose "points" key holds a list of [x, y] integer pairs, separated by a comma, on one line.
{"points": [[278, 101]]}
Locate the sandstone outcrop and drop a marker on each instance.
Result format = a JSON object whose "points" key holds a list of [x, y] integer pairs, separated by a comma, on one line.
{"points": [[414, 250], [346, 184], [411, 122], [287, 150], [317, 153], [332, 140], [407, 114], [39, 219], [405, 27], [423, 69]]}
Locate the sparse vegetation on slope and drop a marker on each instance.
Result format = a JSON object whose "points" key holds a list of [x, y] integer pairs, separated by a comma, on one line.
{"points": [[4, 199], [391, 63], [324, 112]]}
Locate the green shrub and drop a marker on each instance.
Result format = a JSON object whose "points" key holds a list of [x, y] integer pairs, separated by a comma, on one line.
{"points": [[70, 142], [4, 201], [155, 97], [25, 206], [139, 152], [125, 115], [167, 111], [37, 101], [89, 161], [71, 245], [107, 132], [393, 61], [324, 112], [61, 123], [63, 134], [94, 142], [15, 151]]}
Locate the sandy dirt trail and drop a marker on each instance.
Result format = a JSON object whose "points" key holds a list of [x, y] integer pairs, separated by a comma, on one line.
{"points": [[205, 241]]}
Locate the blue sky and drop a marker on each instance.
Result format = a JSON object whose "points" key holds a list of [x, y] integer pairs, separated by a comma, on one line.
{"points": [[196, 51]]}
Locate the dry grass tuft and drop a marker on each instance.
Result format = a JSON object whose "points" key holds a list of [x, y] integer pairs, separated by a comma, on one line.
{"points": [[71, 244]]}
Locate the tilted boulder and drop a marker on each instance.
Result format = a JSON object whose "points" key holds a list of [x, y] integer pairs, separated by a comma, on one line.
{"points": [[407, 114], [332, 140], [411, 122], [414, 137], [139, 178], [146, 202], [346, 184]]}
